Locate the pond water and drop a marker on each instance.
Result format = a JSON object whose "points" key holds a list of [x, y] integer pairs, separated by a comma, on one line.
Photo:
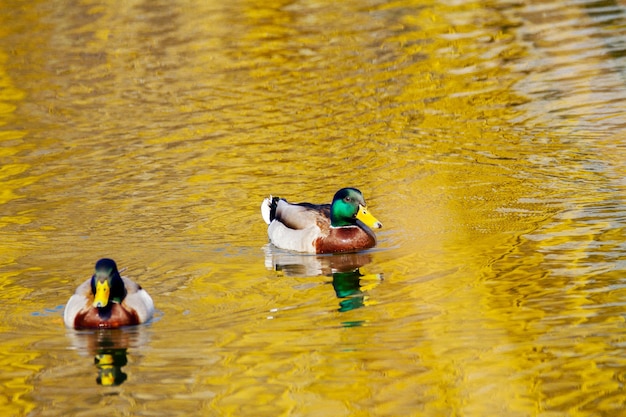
{"points": [[489, 137]]}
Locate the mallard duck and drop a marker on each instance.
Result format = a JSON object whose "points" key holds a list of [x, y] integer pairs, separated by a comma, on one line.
{"points": [[107, 300], [343, 226]]}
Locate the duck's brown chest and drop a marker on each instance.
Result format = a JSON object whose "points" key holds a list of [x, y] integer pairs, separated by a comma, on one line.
{"points": [[345, 239], [113, 317]]}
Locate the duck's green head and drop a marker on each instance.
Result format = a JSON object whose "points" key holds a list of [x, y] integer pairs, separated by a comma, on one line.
{"points": [[107, 284], [349, 208]]}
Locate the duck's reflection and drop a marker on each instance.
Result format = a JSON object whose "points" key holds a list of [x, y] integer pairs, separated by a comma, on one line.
{"points": [[108, 347], [109, 364], [351, 286]]}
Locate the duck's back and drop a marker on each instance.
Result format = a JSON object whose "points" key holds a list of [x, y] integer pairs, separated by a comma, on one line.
{"points": [[139, 300]]}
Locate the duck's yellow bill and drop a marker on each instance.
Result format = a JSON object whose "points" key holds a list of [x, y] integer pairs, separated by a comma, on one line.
{"points": [[367, 218], [101, 298]]}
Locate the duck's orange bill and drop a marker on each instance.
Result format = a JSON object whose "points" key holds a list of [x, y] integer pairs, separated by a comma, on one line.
{"points": [[367, 218], [101, 298]]}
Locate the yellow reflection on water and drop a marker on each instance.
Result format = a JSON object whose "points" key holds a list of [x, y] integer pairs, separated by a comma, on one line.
{"points": [[154, 131]]}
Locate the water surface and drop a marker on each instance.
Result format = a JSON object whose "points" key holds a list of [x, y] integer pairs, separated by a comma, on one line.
{"points": [[487, 136]]}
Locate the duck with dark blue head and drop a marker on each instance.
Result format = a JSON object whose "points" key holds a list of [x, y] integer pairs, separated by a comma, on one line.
{"points": [[108, 300]]}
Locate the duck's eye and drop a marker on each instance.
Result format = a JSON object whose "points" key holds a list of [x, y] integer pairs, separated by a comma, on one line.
{"points": [[347, 199]]}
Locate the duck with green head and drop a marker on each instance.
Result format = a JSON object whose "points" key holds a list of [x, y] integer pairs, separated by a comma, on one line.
{"points": [[345, 225], [107, 300]]}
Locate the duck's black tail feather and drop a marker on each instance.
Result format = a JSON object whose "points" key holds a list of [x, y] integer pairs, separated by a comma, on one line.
{"points": [[268, 208]]}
